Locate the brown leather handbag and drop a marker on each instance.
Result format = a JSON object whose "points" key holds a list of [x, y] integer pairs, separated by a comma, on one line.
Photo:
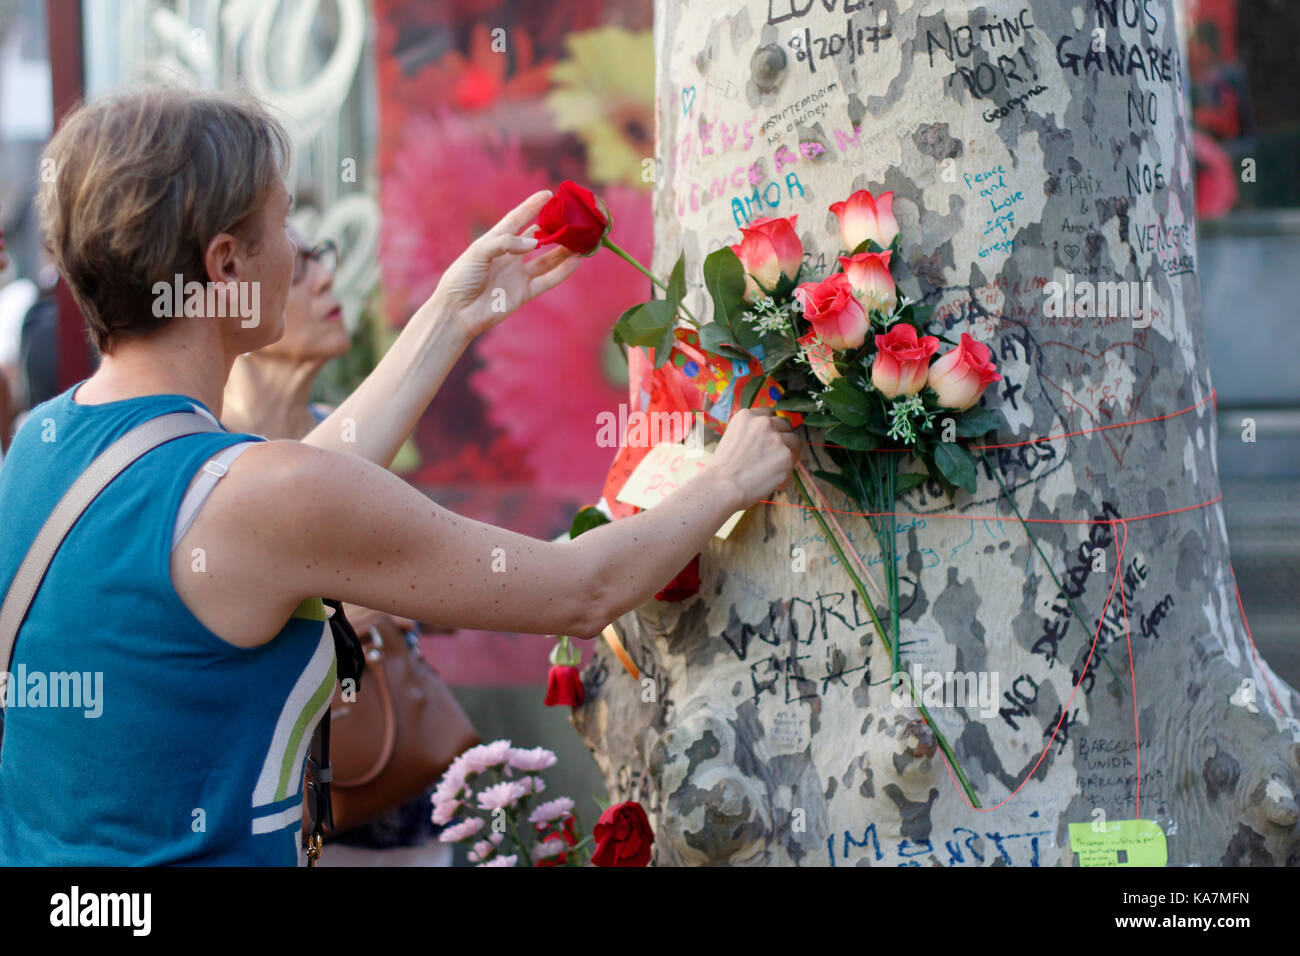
{"points": [[394, 737]]}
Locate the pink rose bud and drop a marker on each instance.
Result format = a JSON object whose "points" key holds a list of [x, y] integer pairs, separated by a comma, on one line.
{"points": [[902, 361], [836, 315], [868, 273], [863, 216], [769, 249], [961, 376]]}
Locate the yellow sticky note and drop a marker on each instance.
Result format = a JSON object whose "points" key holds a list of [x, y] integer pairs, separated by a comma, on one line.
{"points": [[666, 468], [1120, 843]]}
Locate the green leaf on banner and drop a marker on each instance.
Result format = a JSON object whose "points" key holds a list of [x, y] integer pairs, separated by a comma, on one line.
{"points": [[644, 324], [724, 278], [905, 483], [664, 347], [820, 420], [777, 350], [751, 390]]}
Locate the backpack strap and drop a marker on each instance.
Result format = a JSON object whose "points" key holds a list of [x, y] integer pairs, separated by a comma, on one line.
{"points": [[107, 465]]}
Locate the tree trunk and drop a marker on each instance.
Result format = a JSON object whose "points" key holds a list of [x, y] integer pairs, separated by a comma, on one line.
{"points": [[1026, 143]]}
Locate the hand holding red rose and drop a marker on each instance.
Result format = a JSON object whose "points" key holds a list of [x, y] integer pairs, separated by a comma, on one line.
{"points": [[468, 290]]}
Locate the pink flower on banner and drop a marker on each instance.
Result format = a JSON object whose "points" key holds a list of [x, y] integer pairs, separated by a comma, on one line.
{"points": [[531, 761], [534, 785], [501, 795], [863, 216], [769, 249], [555, 809], [501, 861], [460, 831]]}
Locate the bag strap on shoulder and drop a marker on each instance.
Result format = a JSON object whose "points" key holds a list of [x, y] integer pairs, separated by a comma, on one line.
{"points": [[110, 463]]}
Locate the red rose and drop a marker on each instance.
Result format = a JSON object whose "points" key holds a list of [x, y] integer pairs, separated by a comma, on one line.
{"points": [[574, 218], [686, 584], [564, 687], [623, 836]]}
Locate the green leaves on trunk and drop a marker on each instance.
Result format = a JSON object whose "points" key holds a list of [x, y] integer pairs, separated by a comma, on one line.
{"points": [[650, 324], [724, 279], [955, 464]]}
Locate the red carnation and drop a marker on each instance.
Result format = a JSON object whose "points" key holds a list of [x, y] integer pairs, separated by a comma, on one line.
{"points": [[623, 836], [564, 687]]}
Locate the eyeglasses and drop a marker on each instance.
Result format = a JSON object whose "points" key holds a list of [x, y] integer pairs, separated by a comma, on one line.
{"points": [[326, 253]]}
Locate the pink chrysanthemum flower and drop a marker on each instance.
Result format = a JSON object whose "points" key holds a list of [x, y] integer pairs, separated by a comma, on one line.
{"points": [[531, 761], [501, 861], [459, 831], [484, 757], [501, 795], [555, 809], [482, 850], [549, 848], [444, 811]]}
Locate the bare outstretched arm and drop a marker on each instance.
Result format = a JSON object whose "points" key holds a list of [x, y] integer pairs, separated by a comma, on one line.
{"points": [[300, 522]]}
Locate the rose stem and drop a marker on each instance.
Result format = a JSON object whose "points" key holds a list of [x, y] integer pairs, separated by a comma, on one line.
{"points": [[880, 630], [627, 257]]}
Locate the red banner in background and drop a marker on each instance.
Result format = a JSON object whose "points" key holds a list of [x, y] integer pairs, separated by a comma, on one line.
{"points": [[482, 103]]}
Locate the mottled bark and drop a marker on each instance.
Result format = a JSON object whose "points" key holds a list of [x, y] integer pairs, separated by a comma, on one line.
{"points": [[765, 732]]}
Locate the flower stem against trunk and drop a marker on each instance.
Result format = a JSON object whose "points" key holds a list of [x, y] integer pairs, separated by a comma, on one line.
{"points": [[884, 639]]}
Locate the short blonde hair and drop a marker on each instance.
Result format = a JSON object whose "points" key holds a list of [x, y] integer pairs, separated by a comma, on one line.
{"points": [[143, 180]]}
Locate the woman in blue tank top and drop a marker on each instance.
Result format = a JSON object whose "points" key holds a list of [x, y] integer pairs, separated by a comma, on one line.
{"points": [[175, 659]]}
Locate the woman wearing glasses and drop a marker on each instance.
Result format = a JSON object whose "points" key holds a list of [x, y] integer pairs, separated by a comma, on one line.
{"points": [[269, 391], [269, 394]]}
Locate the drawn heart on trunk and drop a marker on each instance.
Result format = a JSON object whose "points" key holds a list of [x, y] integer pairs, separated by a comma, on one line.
{"points": [[1101, 405]]}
